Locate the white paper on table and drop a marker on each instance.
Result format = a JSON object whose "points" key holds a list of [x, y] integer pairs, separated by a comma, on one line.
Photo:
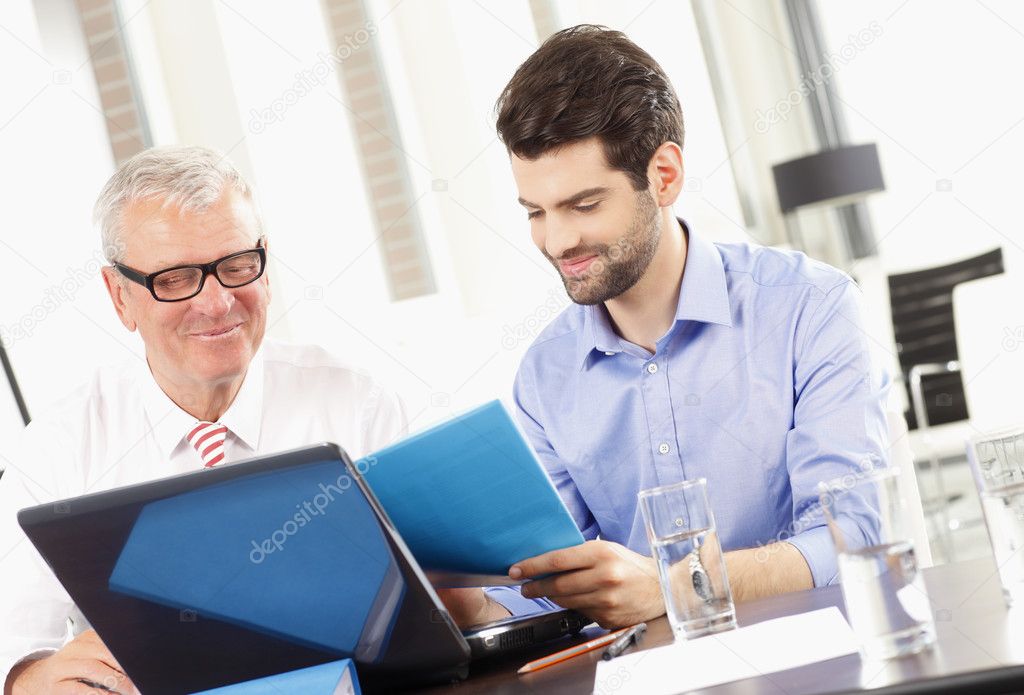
{"points": [[774, 645]]}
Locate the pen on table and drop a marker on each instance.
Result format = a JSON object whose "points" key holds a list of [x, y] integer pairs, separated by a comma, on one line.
{"points": [[631, 636], [569, 653]]}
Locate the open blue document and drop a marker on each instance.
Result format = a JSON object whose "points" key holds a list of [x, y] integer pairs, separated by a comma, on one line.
{"points": [[470, 498]]}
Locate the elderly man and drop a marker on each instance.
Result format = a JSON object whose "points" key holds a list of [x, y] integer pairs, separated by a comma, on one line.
{"points": [[188, 259]]}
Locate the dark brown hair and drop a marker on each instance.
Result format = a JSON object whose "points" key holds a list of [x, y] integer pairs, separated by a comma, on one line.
{"points": [[589, 81]]}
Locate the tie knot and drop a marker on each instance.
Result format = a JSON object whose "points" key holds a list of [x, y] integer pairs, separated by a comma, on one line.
{"points": [[207, 438]]}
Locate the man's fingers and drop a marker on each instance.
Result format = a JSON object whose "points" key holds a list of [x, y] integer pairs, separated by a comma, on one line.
{"points": [[640, 562], [588, 603], [97, 672], [88, 645], [85, 638], [577, 557], [566, 584], [76, 688], [103, 653]]}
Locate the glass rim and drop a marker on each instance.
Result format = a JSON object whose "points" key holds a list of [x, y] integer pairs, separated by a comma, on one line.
{"points": [[996, 434], [672, 487], [999, 490], [874, 475]]}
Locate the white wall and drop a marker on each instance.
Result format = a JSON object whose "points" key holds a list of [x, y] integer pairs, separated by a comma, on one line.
{"points": [[446, 63], [939, 92], [936, 114], [54, 312]]}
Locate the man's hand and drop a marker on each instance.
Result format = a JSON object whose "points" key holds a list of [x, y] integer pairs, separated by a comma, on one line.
{"points": [[605, 581], [470, 607], [84, 658]]}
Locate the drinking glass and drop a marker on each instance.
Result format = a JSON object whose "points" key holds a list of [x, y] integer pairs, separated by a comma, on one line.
{"points": [[691, 568]]}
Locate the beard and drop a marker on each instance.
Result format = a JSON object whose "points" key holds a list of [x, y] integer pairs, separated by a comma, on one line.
{"points": [[617, 266]]}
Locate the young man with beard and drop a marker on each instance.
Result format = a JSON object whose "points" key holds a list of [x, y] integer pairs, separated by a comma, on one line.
{"points": [[681, 359]]}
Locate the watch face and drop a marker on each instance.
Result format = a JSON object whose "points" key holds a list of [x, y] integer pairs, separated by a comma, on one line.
{"points": [[700, 579]]}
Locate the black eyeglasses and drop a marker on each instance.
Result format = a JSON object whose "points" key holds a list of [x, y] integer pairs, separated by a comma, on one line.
{"points": [[186, 281]]}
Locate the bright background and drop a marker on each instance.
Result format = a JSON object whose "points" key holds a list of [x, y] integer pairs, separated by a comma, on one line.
{"points": [[944, 113]]}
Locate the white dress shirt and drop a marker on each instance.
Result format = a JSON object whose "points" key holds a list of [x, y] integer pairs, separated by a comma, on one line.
{"points": [[121, 428]]}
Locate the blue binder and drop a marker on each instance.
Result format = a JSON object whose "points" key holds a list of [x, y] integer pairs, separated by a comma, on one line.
{"points": [[470, 498], [334, 678]]}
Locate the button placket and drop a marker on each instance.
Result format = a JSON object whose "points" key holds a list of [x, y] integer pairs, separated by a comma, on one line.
{"points": [[661, 420]]}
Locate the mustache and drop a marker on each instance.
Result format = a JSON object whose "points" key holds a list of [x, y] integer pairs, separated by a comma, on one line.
{"points": [[578, 251]]}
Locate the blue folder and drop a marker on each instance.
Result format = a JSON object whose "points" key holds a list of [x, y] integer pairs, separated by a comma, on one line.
{"points": [[335, 678], [470, 498]]}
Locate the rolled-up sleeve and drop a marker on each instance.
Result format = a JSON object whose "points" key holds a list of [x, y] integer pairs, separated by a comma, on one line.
{"points": [[839, 423]]}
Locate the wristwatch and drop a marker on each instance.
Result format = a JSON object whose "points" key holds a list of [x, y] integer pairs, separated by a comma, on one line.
{"points": [[699, 577]]}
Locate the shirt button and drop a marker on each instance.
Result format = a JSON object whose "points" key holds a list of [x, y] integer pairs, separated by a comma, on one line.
{"points": [[663, 448], [609, 353], [652, 367]]}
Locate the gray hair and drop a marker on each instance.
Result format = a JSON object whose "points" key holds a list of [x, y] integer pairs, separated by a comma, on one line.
{"points": [[188, 178]]}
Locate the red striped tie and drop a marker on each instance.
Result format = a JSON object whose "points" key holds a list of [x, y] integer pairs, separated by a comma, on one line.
{"points": [[208, 439]]}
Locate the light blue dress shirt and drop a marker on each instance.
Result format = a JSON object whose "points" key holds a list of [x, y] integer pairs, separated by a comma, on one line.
{"points": [[764, 385]]}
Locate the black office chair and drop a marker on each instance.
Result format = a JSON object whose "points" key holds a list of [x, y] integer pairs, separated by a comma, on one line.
{"points": [[922, 318]]}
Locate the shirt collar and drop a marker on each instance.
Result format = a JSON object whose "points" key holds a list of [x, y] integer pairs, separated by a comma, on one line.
{"points": [[170, 424], [703, 293], [703, 296], [244, 415]]}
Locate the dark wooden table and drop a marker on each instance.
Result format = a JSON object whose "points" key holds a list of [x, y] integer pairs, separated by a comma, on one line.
{"points": [[980, 648]]}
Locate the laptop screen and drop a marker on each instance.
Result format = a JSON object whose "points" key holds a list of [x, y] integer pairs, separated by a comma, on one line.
{"points": [[230, 574]]}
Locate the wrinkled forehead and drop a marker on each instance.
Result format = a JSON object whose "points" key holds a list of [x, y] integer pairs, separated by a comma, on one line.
{"points": [[157, 235]]}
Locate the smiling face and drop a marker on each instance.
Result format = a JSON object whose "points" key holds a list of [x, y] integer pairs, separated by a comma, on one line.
{"points": [[588, 220], [208, 340]]}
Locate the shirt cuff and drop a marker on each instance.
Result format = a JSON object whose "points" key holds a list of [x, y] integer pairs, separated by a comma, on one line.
{"points": [[815, 544], [515, 603]]}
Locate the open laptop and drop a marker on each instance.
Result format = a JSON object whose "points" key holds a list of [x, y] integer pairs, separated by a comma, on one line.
{"points": [[277, 563]]}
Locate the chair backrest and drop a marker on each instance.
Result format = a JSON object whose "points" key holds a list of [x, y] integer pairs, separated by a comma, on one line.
{"points": [[900, 455], [990, 340], [922, 318]]}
